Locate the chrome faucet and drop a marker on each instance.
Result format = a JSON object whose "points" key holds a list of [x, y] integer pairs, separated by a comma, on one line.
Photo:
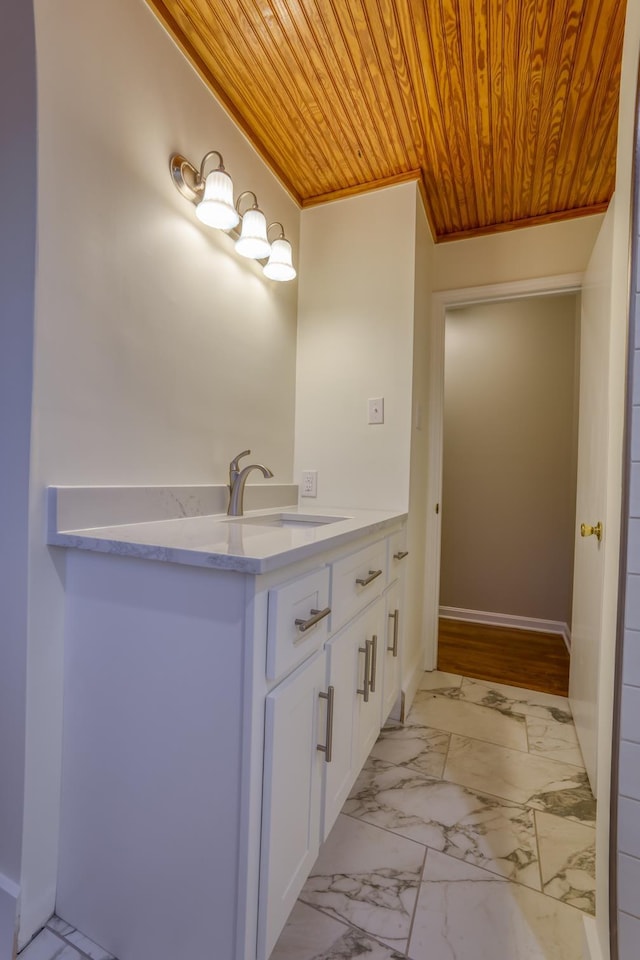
{"points": [[237, 480]]}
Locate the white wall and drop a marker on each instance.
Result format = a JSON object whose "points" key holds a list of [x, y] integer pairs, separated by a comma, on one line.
{"points": [[363, 320], [355, 336], [413, 652], [17, 266], [543, 251], [159, 353]]}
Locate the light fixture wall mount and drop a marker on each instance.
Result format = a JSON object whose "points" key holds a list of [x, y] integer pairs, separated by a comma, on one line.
{"points": [[212, 194]]}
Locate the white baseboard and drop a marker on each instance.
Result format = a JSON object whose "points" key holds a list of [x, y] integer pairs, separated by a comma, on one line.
{"points": [[591, 947], [410, 688], [9, 907], [509, 620]]}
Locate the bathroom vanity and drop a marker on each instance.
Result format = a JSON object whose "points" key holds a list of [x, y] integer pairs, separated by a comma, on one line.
{"points": [[225, 680]]}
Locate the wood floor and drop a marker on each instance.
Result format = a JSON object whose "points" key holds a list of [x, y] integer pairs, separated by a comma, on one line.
{"points": [[521, 658]]}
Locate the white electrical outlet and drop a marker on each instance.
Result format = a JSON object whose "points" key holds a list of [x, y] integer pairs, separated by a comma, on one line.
{"points": [[376, 410], [309, 486]]}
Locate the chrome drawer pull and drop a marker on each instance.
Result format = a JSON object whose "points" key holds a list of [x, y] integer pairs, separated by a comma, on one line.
{"points": [[367, 580], [374, 666], [316, 617], [394, 648], [327, 747], [367, 669], [401, 554]]}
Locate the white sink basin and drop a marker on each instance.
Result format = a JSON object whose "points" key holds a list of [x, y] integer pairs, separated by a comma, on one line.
{"points": [[285, 520]]}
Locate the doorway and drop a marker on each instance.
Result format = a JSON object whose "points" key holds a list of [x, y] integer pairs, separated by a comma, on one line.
{"points": [[508, 497], [442, 302]]}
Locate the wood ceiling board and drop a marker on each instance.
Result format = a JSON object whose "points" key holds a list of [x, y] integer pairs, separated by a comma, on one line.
{"points": [[508, 107]]}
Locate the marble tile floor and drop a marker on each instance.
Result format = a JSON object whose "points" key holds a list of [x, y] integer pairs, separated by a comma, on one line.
{"points": [[61, 941], [469, 835]]}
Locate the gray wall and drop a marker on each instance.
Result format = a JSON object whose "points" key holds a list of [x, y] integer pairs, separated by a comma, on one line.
{"points": [[509, 467]]}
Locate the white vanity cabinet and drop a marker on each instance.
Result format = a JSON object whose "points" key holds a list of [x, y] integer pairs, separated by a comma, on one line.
{"points": [[199, 706], [321, 723]]}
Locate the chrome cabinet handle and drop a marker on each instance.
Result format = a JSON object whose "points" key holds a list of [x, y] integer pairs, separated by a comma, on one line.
{"points": [[367, 669], [327, 746], [367, 580], [394, 648], [374, 665], [401, 554], [316, 617]]}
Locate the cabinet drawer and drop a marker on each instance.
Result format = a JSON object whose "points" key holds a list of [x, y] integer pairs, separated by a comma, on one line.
{"points": [[397, 553], [356, 580], [288, 642]]}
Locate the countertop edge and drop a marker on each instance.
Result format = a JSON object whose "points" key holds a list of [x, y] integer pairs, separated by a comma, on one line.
{"points": [[83, 540]]}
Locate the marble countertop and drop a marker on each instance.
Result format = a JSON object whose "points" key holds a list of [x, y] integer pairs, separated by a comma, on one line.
{"points": [[260, 541]]}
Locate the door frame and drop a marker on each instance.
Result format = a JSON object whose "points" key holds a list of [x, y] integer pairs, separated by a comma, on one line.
{"points": [[441, 301]]}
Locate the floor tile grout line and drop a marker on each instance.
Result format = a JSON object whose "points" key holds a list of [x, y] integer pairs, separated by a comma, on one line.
{"points": [[499, 876], [415, 906], [457, 695], [446, 759], [535, 827], [349, 925], [408, 726], [67, 943], [523, 807], [65, 938], [491, 743], [565, 707], [487, 793], [474, 789]]}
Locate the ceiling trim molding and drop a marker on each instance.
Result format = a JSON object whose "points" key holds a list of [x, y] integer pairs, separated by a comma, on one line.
{"points": [[363, 188], [554, 217]]}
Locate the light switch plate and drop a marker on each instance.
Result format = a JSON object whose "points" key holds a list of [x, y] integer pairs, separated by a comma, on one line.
{"points": [[376, 410]]}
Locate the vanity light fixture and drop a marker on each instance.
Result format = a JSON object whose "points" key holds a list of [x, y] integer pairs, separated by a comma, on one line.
{"points": [[279, 265], [212, 195], [252, 242]]}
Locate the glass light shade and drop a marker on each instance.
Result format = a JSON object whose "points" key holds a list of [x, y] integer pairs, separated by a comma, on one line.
{"points": [[279, 266], [216, 208], [252, 241]]}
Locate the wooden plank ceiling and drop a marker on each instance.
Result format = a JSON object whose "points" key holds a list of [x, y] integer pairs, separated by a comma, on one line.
{"points": [[505, 109]]}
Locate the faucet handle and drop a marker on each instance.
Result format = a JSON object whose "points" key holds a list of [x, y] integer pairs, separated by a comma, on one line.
{"points": [[234, 466]]}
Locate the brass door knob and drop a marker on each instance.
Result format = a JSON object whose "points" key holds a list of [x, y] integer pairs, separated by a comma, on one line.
{"points": [[586, 530]]}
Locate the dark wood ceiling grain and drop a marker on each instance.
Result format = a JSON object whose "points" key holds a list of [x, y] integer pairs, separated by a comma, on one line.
{"points": [[506, 110]]}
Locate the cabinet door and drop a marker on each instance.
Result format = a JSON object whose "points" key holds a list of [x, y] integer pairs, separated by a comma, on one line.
{"points": [[344, 670], [372, 632], [294, 725], [392, 649]]}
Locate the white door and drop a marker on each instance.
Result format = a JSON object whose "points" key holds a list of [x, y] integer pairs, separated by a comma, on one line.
{"points": [[590, 505]]}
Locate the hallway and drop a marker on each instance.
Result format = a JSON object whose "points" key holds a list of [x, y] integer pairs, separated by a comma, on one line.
{"points": [[499, 869]]}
